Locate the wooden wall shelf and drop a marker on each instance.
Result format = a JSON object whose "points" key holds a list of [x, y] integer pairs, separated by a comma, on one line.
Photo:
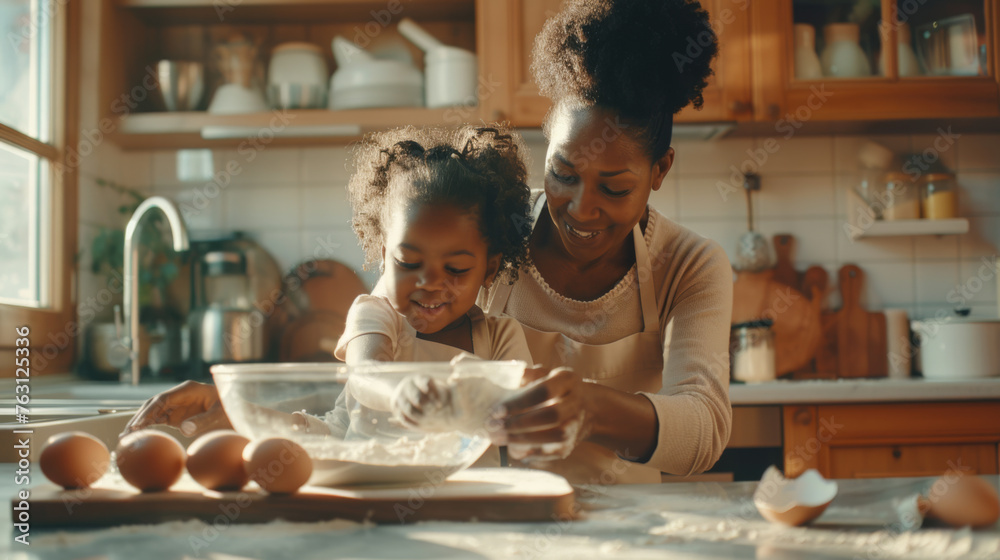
{"points": [[200, 129], [294, 11]]}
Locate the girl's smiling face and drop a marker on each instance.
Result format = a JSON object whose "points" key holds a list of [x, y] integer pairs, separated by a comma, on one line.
{"points": [[597, 181], [435, 262]]}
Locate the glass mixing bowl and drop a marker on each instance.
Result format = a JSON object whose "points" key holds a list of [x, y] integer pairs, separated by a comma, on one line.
{"points": [[342, 415]]}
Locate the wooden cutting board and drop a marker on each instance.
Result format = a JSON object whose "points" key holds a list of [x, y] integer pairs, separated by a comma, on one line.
{"points": [[757, 295], [815, 285], [784, 270], [861, 337], [506, 494]]}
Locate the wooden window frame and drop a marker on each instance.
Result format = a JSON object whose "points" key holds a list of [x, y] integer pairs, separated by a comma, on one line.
{"points": [[53, 330]]}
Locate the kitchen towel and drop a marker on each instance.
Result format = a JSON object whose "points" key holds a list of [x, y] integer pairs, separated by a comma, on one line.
{"points": [[899, 346]]}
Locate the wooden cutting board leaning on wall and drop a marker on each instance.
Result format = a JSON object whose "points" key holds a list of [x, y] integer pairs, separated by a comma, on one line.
{"points": [[760, 295]]}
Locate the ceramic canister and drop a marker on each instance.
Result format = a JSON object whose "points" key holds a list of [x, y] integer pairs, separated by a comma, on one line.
{"points": [[843, 57], [807, 65]]}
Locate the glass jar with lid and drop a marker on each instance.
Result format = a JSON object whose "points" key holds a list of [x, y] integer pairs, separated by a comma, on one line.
{"points": [[900, 198], [751, 351], [938, 196]]}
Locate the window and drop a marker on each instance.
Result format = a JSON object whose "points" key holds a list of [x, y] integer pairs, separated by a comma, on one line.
{"points": [[37, 193]]}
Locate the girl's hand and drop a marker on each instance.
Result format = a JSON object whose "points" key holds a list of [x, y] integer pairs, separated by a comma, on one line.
{"points": [[191, 406], [420, 402], [547, 418]]}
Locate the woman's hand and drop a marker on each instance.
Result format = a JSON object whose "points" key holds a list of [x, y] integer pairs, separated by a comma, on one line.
{"points": [[191, 406], [545, 419]]}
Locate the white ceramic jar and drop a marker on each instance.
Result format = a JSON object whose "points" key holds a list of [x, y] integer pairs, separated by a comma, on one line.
{"points": [[842, 57], [907, 59], [807, 65]]}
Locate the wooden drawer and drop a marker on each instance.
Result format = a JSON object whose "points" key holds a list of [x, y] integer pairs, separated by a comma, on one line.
{"points": [[911, 460], [886, 440]]}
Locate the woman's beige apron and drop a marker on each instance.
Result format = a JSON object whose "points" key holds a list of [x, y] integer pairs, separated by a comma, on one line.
{"points": [[631, 364]]}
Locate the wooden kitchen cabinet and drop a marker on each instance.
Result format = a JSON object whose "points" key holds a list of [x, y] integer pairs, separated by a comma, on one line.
{"points": [[506, 31], [779, 97], [892, 440]]}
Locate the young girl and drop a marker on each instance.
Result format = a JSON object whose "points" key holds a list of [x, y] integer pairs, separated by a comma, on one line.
{"points": [[444, 212], [440, 210]]}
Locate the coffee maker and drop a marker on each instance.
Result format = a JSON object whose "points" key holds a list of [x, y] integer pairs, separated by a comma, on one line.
{"points": [[228, 322]]}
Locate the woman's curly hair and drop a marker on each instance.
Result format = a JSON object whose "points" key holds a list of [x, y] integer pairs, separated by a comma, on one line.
{"points": [[645, 60], [476, 168]]}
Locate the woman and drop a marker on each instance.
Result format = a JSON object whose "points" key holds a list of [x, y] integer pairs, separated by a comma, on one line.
{"points": [[627, 299], [637, 306]]}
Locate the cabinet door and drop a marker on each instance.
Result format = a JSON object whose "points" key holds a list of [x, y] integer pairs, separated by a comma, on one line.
{"points": [[728, 95], [827, 60], [506, 32], [506, 35]]}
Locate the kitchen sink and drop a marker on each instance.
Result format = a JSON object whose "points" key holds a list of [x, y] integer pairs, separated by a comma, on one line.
{"points": [[99, 409]]}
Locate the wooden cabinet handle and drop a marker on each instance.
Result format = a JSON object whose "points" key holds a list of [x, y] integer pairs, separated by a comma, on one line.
{"points": [[803, 417], [896, 453]]}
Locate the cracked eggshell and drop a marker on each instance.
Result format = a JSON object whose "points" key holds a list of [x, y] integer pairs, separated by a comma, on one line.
{"points": [[795, 501]]}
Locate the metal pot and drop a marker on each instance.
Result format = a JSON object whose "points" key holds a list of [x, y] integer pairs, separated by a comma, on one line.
{"points": [[221, 335], [958, 348]]}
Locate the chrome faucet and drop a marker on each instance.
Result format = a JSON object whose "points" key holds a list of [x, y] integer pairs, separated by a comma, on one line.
{"points": [[130, 373]]}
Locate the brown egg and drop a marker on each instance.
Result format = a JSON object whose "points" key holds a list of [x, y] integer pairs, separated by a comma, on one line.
{"points": [[215, 460], [74, 459], [962, 500], [150, 460], [278, 465]]}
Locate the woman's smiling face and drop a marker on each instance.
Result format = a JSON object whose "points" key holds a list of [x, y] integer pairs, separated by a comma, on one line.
{"points": [[435, 261], [597, 181]]}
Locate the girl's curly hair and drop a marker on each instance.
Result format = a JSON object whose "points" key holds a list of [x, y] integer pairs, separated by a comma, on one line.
{"points": [[643, 59], [477, 168]]}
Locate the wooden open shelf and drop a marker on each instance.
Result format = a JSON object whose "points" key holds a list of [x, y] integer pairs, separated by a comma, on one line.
{"points": [[294, 11], [883, 228], [201, 129]]}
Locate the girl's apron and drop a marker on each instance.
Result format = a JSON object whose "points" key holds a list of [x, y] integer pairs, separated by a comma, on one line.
{"points": [[631, 364]]}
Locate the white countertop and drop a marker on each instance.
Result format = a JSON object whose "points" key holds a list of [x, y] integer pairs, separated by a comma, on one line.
{"points": [[700, 521], [863, 391]]}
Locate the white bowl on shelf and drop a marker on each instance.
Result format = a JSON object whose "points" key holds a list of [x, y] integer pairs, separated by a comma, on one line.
{"points": [[235, 99]]}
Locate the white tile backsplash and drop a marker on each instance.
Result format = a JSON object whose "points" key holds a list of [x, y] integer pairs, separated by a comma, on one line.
{"points": [[873, 249], [326, 165], [982, 239], [708, 197], [796, 155], [935, 279], [888, 285], [815, 238], [936, 247], [978, 152], [325, 206], [284, 246], [253, 208], [977, 280], [261, 166], [978, 193], [797, 196], [711, 158], [294, 202]]}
